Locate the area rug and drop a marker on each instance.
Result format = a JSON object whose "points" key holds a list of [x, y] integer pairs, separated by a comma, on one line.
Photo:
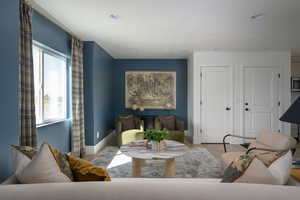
{"points": [[196, 163]]}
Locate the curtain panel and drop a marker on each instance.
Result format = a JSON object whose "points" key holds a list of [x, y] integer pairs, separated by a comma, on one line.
{"points": [[78, 135], [27, 106]]}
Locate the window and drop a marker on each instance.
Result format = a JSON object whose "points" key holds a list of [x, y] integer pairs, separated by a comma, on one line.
{"points": [[50, 85]]}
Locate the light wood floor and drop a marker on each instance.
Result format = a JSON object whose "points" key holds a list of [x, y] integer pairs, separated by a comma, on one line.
{"points": [[217, 149]]}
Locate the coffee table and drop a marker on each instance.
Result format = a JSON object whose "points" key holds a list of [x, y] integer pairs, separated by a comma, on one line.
{"points": [[139, 153]]}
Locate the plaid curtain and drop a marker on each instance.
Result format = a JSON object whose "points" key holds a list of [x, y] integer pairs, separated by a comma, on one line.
{"points": [[27, 106], [78, 136]]}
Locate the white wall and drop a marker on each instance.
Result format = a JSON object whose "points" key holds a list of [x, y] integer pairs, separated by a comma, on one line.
{"points": [[238, 60], [190, 97]]}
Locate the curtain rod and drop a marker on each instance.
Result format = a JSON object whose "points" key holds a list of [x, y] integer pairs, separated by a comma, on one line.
{"points": [[29, 4]]}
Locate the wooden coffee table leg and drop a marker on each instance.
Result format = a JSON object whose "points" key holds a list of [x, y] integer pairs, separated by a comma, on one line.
{"points": [[136, 167], [170, 171]]}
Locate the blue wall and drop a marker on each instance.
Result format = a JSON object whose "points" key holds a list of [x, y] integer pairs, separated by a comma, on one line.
{"points": [[57, 134], [99, 117], [49, 34], [9, 75], [178, 65]]}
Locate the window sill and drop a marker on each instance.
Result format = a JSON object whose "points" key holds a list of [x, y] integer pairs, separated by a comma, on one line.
{"points": [[51, 123]]}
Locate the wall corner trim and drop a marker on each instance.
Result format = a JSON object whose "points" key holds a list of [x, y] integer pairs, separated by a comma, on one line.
{"points": [[90, 150]]}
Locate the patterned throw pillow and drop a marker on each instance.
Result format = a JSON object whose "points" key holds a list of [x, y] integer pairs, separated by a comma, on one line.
{"points": [[127, 122], [62, 162], [168, 122], [240, 168], [86, 171], [26, 150]]}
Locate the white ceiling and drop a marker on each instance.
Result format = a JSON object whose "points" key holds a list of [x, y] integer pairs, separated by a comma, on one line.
{"points": [[175, 28]]}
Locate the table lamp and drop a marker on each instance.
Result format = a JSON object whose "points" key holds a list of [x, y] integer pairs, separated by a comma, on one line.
{"points": [[292, 115]]}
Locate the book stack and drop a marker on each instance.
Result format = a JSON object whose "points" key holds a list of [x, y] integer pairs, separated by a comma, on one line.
{"points": [[296, 164]]}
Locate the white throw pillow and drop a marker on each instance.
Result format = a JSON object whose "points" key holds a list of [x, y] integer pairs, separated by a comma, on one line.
{"points": [[19, 158], [42, 169], [281, 168], [257, 173]]}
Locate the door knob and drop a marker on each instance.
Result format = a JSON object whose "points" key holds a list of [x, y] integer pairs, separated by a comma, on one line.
{"points": [[228, 108], [247, 109]]}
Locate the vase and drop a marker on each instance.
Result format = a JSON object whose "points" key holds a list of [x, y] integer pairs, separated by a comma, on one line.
{"points": [[157, 146]]}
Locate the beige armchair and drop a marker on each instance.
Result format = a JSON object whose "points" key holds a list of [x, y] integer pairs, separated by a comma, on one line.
{"points": [[265, 141], [173, 124], [129, 128]]}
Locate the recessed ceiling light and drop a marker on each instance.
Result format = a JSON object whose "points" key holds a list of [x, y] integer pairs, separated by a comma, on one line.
{"points": [[115, 17], [257, 16]]}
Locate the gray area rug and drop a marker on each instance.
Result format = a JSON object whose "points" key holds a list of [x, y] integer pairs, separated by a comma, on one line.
{"points": [[196, 163]]}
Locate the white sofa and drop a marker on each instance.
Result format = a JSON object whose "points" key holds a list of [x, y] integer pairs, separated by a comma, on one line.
{"points": [[148, 189]]}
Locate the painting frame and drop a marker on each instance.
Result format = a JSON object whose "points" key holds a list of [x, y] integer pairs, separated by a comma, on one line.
{"points": [[164, 82]]}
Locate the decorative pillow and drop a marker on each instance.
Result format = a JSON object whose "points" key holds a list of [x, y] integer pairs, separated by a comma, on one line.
{"points": [[86, 171], [127, 122], [21, 156], [280, 168], [254, 168], [295, 173], [168, 122], [257, 173], [62, 162], [42, 169]]}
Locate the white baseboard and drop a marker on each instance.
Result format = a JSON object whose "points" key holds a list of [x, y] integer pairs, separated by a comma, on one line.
{"points": [[107, 140]]}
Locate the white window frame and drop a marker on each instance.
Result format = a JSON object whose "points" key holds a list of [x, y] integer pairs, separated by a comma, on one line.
{"points": [[54, 53]]}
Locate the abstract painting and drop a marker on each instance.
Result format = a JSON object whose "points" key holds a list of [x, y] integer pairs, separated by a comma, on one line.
{"points": [[150, 89]]}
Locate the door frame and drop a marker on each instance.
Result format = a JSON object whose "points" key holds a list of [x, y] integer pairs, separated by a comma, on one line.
{"points": [[242, 93], [232, 89]]}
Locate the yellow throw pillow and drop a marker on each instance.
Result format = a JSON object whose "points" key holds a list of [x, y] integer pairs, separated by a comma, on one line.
{"points": [[295, 173], [86, 171]]}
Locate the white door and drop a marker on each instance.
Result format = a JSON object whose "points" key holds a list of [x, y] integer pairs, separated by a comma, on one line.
{"points": [[261, 99], [216, 103]]}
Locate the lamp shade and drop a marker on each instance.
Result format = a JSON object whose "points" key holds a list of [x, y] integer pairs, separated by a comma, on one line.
{"points": [[292, 115]]}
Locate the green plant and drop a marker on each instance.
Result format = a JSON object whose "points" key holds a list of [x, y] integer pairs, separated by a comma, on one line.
{"points": [[156, 135]]}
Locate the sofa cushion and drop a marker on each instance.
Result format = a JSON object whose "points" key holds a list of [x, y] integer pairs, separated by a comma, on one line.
{"points": [[168, 122], [128, 122], [276, 140], [147, 190], [42, 169], [86, 171], [11, 180], [257, 144], [177, 136]]}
